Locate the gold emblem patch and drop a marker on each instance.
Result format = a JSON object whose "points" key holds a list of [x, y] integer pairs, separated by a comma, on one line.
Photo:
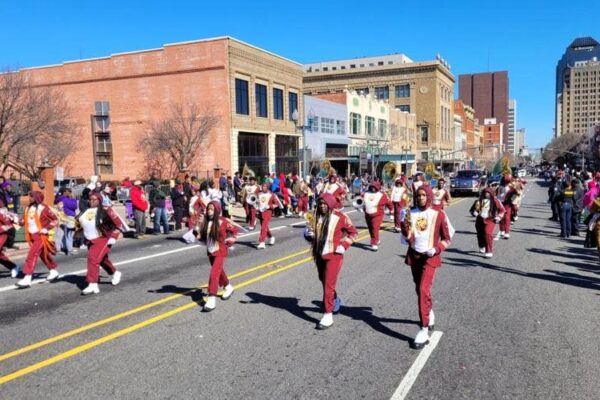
{"points": [[421, 223]]}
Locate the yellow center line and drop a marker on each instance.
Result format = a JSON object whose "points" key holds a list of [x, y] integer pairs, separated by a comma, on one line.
{"points": [[122, 332], [147, 322]]}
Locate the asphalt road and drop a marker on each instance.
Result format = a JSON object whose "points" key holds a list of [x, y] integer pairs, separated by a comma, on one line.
{"points": [[521, 325]]}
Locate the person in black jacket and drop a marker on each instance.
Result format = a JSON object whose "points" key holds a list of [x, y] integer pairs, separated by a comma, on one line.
{"points": [[157, 204], [179, 200]]}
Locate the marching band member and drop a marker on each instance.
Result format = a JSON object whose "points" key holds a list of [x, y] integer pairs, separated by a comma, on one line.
{"points": [[217, 233], [375, 203], [488, 211], [303, 197], [507, 195], [428, 233], [250, 191], [331, 233], [519, 186], [399, 197], [100, 225], [267, 201], [7, 222], [38, 221], [417, 182], [441, 195], [334, 188]]}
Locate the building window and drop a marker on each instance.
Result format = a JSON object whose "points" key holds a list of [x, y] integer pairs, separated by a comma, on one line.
{"points": [[355, 124], [340, 127], [424, 156], [277, 103], [424, 134], [364, 91], [382, 127], [292, 104], [369, 126], [403, 107], [382, 92], [261, 100], [403, 90], [327, 125], [315, 124], [241, 97], [286, 154]]}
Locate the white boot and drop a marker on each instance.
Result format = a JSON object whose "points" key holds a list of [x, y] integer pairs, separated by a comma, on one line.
{"points": [[482, 249], [15, 271], [374, 247], [326, 321], [227, 292], [506, 235], [421, 339], [261, 245], [211, 303], [488, 255], [431, 320], [92, 288], [25, 282], [272, 240], [116, 278], [52, 275]]}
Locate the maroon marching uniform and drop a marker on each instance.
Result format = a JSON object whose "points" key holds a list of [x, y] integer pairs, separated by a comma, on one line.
{"points": [[267, 202], [487, 212], [374, 207]]}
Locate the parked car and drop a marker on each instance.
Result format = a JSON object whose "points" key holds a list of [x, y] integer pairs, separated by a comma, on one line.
{"points": [[75, 183], [467, 181]]}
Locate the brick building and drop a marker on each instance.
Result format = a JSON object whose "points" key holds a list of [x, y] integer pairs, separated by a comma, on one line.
{"points": [[487, 93], [116, 99]]}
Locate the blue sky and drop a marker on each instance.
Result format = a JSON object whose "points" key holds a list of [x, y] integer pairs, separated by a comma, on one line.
{"points": [[525, 37]]}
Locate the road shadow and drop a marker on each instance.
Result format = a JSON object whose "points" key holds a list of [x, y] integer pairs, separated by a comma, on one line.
{"points": [[533, 230], [365, 314], [290, 304], [195, 294], [362, 246], [466, 232], [77, 280]]}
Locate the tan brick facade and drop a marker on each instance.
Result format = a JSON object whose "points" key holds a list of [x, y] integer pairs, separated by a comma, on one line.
{"points": [[430, 94]]}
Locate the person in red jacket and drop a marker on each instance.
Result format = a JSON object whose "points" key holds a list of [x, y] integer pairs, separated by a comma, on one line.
{"points": [[428, 233], [441, 195], [100, 226], [140, 207], [507, 196], [489, 211], [375, 202], [218, 234], [331, 233], [267, 202], [334, 188], [38, 221], [6, 225], [399, 198]]}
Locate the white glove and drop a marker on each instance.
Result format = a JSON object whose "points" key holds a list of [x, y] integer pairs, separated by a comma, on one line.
{"points": [[497, 219], [112, 241], [309, 233], [475, 213], [340, 249], [430, 252], [44, 231]]}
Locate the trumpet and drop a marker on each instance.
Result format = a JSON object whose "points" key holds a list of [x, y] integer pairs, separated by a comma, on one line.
{"points": [[359, 203], [309, 217]]}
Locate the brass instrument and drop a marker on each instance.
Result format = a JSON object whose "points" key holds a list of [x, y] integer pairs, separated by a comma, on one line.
{"points": [[326, 169], [309, 217], [390, 172], [359, 204], [247, 171], [251, 200]]}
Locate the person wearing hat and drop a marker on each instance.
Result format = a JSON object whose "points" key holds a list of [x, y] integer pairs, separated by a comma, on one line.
{"points": [[428, 233], [267, 202], [218, 234], [507, 196], [399, 197], [441, 195], [331, 233], [249, 199], [140, 207], [375, 202], [100, 226], [39, 222]]}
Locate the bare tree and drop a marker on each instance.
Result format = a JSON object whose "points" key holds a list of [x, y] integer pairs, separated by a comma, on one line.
{"points": [[558, 147], [180, 137], [36, 125]]}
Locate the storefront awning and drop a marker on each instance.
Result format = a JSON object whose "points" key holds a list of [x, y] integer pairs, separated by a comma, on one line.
{"points": [[410, 158]]}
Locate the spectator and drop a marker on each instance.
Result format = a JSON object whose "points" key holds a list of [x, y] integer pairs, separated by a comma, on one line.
{"points": [[140, 207]]}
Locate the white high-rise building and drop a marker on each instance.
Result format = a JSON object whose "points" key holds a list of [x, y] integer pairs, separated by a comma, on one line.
{"points": [[520, 141], [511, 146]]}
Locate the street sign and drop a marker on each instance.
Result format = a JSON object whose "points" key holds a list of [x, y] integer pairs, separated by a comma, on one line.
{"points": [[364, 160], [60, 173]]}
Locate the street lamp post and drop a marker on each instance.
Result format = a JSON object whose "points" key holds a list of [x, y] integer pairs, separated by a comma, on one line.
{"points": [[295, 117]]}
